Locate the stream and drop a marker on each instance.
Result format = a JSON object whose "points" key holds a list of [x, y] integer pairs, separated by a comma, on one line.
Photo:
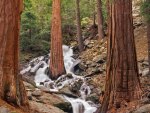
{"points": [[40, 68]]}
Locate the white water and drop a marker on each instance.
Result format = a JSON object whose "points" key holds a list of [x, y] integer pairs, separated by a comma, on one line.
{"points": [[39, 65]]}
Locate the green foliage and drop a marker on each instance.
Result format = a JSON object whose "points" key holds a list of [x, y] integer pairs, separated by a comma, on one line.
{"points": [[36, 21], [145, 9]]}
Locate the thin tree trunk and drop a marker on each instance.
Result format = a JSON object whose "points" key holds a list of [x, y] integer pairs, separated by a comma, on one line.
{"points": [[79, 32], [94, 19], [148, 38], [122, 79], [12, 89], [100, 19], [56, 58], [148, 33]]}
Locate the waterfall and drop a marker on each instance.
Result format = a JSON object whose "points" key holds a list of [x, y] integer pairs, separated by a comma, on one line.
{"points": [[40, 67]]}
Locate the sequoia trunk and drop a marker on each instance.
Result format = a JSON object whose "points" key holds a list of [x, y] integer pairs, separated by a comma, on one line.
{"points": [[100, 19], [12, 89], [122, 79], [79, 32], [56, 58]]}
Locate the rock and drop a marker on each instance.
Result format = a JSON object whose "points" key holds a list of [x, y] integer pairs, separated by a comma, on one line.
{"points": [[29, 86], [143, 109], [145, 63], [66, 91], [93, 64], [96, 71], [69, 75], [4, 110], [76, 86], [93, 97], [99, 59], [87, 42], [75, 56], [78, 69], [89, 62], [65, 106], [44, 108], [37, 93], [29, 95], [51, 99], [145, 101], [90, 46], [145, 72]]}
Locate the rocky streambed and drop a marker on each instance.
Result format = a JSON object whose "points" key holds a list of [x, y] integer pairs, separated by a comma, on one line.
{"points": [[71, 88]]}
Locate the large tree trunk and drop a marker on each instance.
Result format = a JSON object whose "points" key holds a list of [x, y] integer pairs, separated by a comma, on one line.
{"points": [[122, 79], [12, 89], [56, 58], [100, 19], [79, 32]]}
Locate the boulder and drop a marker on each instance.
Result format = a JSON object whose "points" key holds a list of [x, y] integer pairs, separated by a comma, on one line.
{"points": [[143, 109], [44, 108], [145, 63], [66, 91], [4, 110], [65, 106], [145, 72], [37, 93]]}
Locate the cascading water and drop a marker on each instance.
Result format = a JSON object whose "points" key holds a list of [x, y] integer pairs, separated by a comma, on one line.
{"points": [[40, 67]]}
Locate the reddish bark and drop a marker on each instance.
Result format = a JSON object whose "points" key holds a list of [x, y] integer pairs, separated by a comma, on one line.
{"points": [[122, 79], [12, 89], [148, 32], [79, 31], [100, 19], [148, 38], [56, 58]]}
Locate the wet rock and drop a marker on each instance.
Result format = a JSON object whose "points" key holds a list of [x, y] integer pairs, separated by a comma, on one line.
{"points": [[69, 75], [47, 71], [93, 97], [76, 86], [66, 91], [79, 69], [37, 93], [4, 110], [65, 106], [75, 56], [143, 109]]}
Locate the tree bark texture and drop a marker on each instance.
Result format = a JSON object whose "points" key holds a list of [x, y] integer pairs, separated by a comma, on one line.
{"points": [[79, 31], [100, 19], [148, 38], [12, 89], [148, 33], [122, 79], [56, 58]]}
